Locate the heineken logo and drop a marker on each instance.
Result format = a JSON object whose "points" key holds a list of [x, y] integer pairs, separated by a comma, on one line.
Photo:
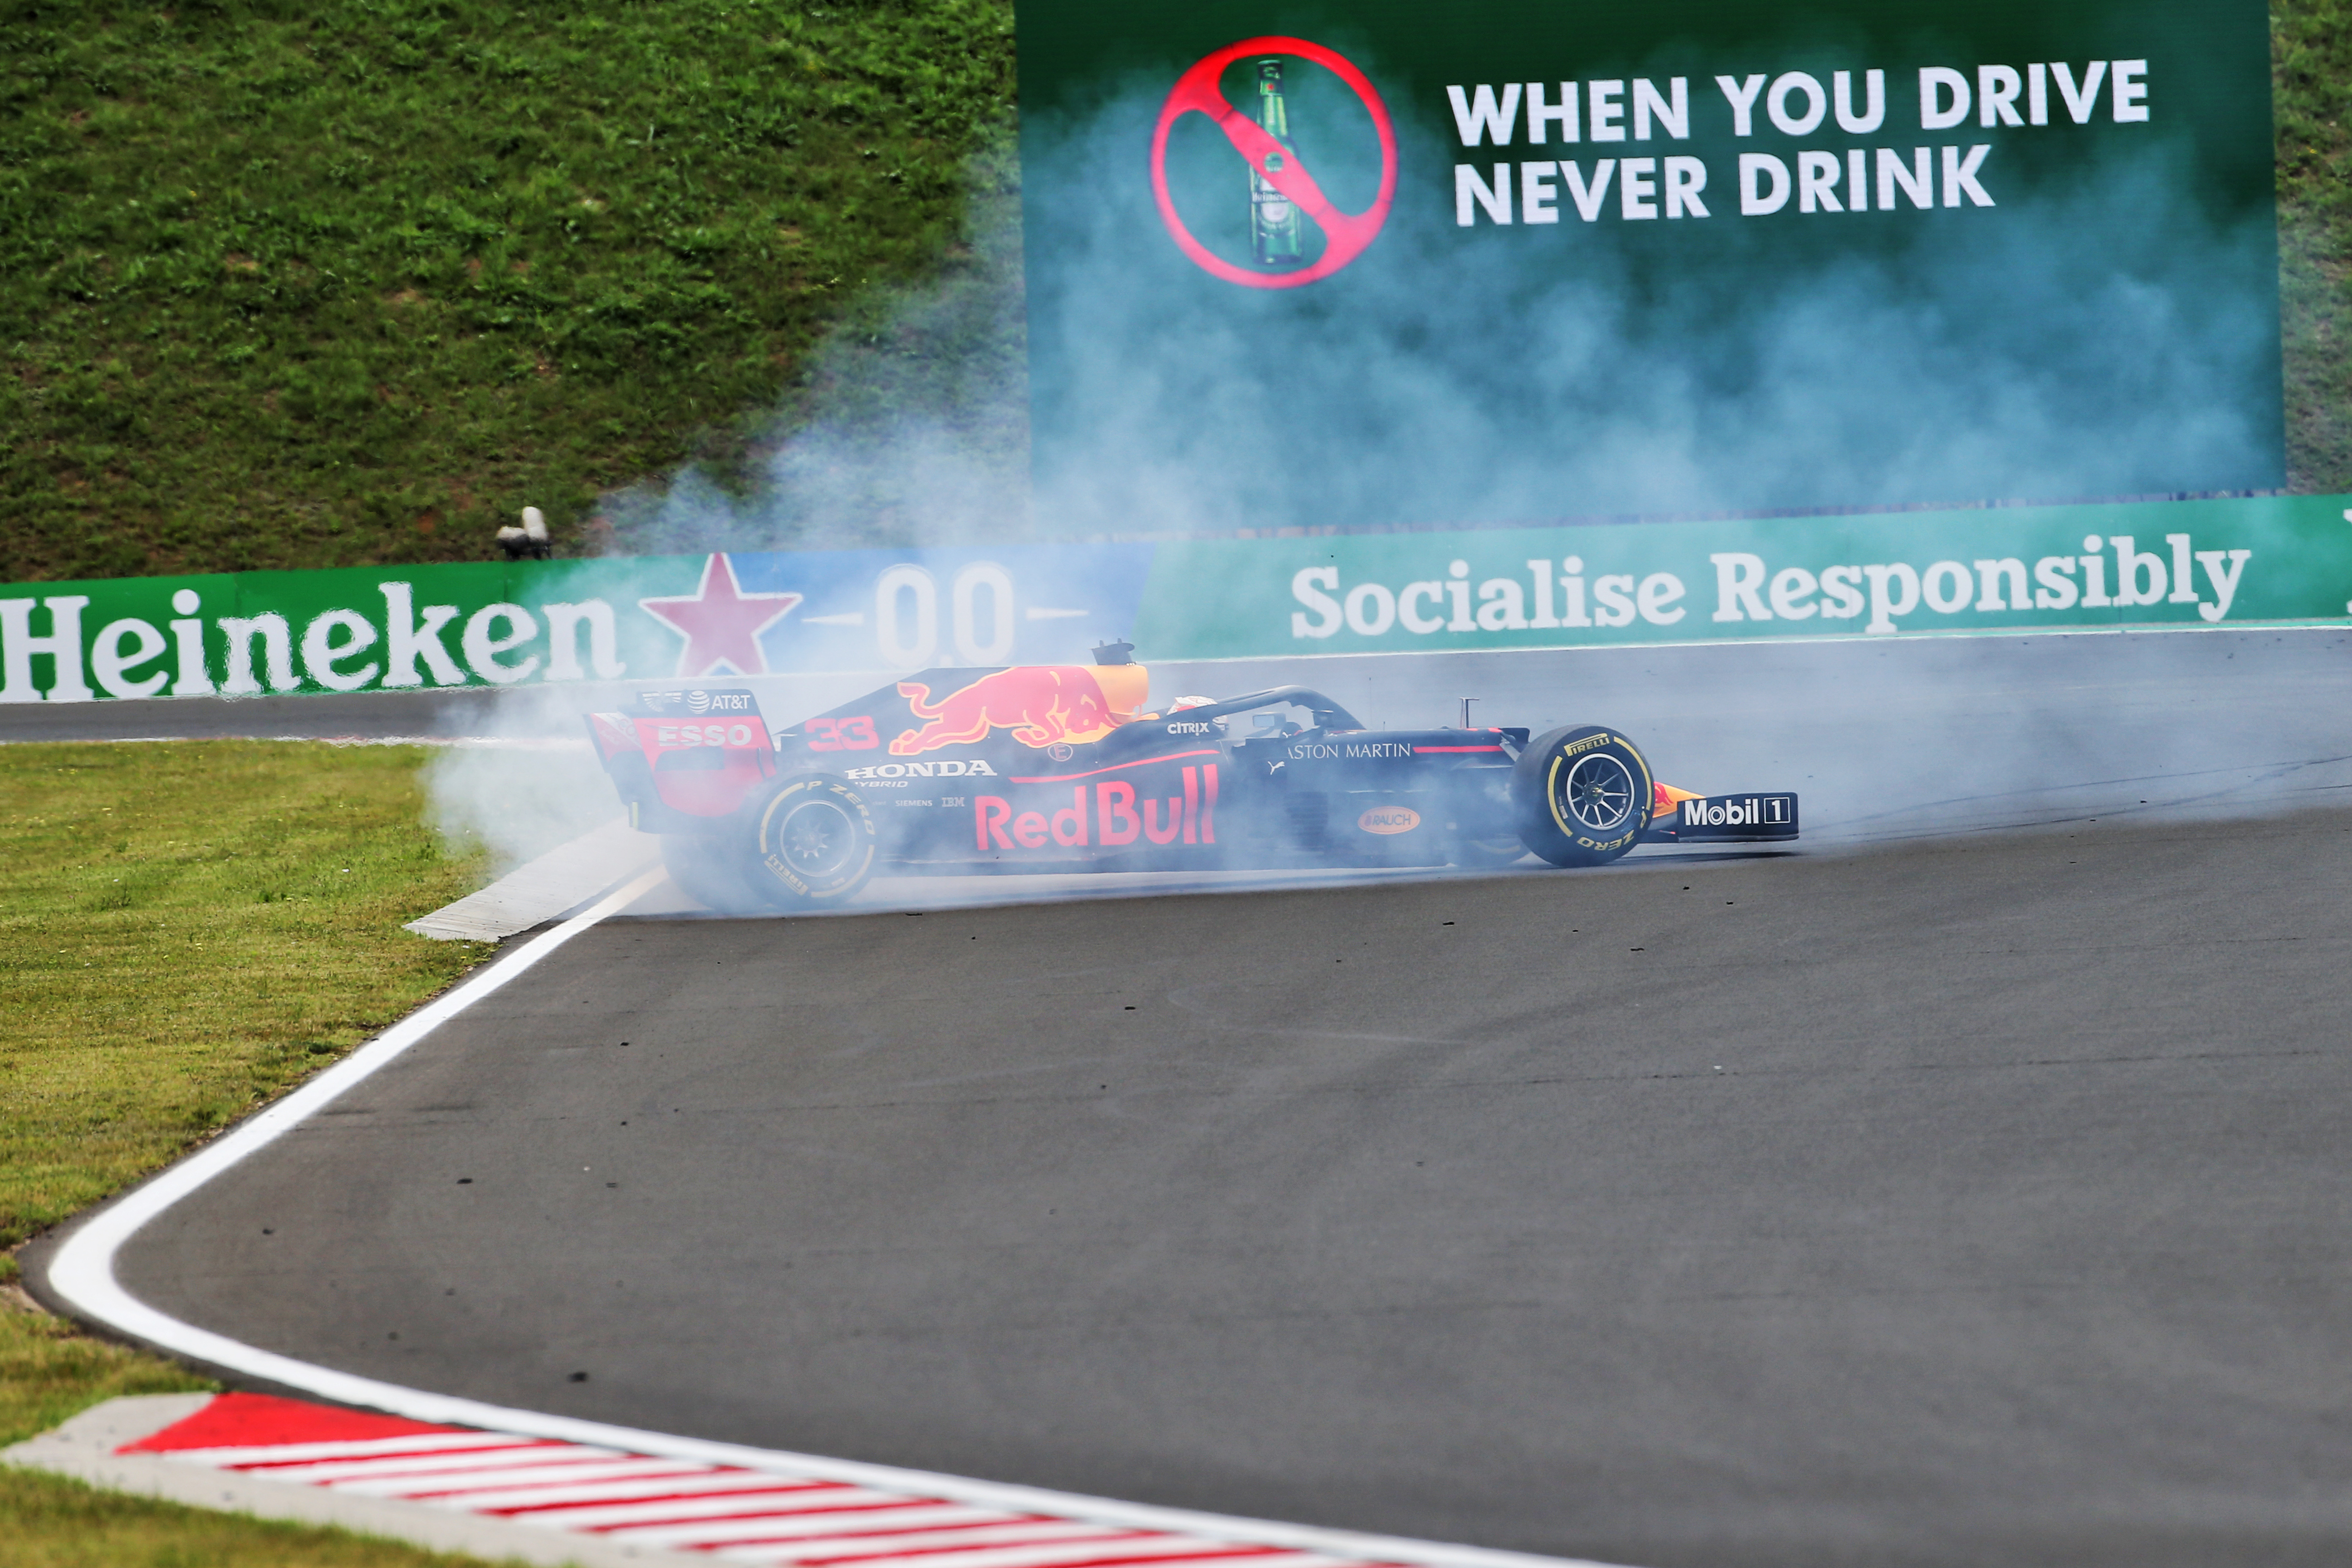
{"points": [[1284, 195]]}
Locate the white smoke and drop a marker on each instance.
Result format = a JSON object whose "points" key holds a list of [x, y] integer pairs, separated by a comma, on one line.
{"points": [[910, 427], [912, 432], [2096, 341]]}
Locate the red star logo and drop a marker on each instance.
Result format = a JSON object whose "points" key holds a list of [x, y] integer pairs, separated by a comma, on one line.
{"points": [[721, 623]]}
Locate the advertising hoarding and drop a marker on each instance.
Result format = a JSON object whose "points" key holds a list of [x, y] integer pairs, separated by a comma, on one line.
{"points": [[2182, 565], [1308, 264]]}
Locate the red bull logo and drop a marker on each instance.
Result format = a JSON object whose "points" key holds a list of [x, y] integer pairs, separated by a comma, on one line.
{"points": [[1042, 705], [1189, 817]]}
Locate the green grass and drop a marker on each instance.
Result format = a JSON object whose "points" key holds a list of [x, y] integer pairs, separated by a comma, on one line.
{"points": [[189, 930], [50, 1370], [351, 282], [2311, 51], [47, 1521]]}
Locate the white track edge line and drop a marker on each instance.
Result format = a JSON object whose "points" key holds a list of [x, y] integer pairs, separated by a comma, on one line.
{"points": [[82, 1272]]}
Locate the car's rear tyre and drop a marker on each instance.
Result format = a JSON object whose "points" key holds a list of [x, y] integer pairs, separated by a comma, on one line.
{"points": [[704, 870], [1585, 794], [813, 843]]}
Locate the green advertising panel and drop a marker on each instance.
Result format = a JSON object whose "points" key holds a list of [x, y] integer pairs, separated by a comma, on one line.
{"points": [[647, 618], [2164, 564], [2181, 565], [1308, 263]]}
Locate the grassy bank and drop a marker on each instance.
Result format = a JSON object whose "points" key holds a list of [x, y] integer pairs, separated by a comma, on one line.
{"points": [[351, 282], [2311, 53], [189, 930]]}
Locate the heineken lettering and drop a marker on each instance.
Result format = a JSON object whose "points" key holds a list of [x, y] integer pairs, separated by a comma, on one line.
{"points": [[561, 622]]}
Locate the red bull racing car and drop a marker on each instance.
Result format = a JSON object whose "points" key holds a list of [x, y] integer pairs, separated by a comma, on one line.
{"points": [[1064, 768]]}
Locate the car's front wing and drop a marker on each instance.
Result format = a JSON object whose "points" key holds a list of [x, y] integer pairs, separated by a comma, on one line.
{"points": [[1756, 818]]}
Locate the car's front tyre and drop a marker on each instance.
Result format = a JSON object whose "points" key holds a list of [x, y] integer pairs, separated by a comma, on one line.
{"points": [[1585, 794]]}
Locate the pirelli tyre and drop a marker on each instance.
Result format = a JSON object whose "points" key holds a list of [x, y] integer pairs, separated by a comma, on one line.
{"points": [[813, 843], [1584, 794]]}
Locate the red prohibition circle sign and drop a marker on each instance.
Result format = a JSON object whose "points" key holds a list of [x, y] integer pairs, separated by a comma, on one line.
{"points": [[1345, 235]]}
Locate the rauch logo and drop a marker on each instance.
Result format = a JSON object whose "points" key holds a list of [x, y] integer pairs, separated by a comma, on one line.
{"points": [[1284, 195]]}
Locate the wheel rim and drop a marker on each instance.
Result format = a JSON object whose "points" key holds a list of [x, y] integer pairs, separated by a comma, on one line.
{"points": [[1599, 793], [816, 838]]}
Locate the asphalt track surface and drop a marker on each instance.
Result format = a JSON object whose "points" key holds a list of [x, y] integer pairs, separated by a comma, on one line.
{"points": [[1941, 1196]]}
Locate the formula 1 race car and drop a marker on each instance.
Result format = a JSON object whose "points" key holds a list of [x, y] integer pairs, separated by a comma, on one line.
{"points": [[1060, 768]]}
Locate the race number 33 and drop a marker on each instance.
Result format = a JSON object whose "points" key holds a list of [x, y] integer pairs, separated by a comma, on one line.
{"points": [[843, 734]]}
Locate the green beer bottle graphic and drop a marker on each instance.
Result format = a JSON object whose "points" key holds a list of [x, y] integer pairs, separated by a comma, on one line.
{"points": [[1274, 233]]}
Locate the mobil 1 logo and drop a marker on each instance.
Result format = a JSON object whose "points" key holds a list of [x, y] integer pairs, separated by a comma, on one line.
{"points": [[1743, 819]]}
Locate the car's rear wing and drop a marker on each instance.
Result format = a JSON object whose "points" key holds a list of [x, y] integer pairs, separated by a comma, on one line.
{"points": [[1726, 819], [682, 759]]}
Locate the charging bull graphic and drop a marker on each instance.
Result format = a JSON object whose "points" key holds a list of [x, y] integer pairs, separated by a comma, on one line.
{"points": [[1041, 704]]}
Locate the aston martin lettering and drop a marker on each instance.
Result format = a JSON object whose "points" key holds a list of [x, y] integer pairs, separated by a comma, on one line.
{"points": [[1347, 751]]}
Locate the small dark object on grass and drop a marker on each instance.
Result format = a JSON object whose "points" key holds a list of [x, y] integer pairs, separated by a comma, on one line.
{"points": [[529, 540]]}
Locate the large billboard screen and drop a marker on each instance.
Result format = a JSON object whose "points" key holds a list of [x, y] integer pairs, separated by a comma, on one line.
{"points": [[1301, 265]]}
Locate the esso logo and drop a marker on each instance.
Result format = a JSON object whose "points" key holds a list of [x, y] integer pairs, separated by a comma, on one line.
{"points": [[703, 735], [1283, 189]]}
